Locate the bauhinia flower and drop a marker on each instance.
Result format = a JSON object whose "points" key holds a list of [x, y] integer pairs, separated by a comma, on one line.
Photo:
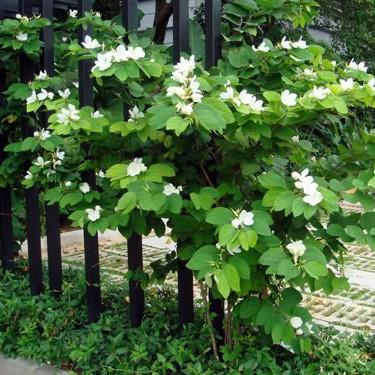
{"points": [[28, 176], [136, 167], [347, 84], [295, 139], [64, 94], [93, 214], [288, 98], [170, 189], [103, 61], [296, 322], [73, 13], [300, 44], [319, 93], [60, 154], [297, 249], [84, 187], [90, 43], [101, 174], [32, 98], [68, 114], [42, 135], [44, 94], [228, 94], [309, 73], [185, 109], [244, 98], [261, 48], [124, 53], [42, 76], [183, 69], [40, 162], [244, 219], [68, 183], [135, 114], [21, 17], [360, 67], [22, 37], [96, 114], [310, 188], [286, 44]]}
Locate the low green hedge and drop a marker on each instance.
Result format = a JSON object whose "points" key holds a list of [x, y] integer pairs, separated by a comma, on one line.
{"points": [[54, 330]]}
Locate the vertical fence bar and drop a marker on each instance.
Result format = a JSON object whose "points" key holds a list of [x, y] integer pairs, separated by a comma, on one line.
{"points": [[33, 230], [47, 63], [86, 98], [135, 259], [213, 53], [184, 275]]}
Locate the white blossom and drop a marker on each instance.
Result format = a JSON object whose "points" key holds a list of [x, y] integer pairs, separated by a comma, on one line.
{"points": [[136, 53], [371, 83], [288, 98], [286, 44], [320, 93], [261, 48], [68, 183], [299, 332], [310, 188], [90, 43], [299, 44], [313, 199], [44, 94], [124, 53], [93, 214], [296, 322], [76, 84], [135, 114], [96, 114], [42, 76], [234, 251], [347, 84], [170, 189], [101, 174], [42, 135], [183, 69], [295, 139], [28, 176], [84, 187], [64, 94], [22, 37], [297, 249], [228, 94], [185, 109], [40, 162], [309, 73], [177, 90], [136, 167], [21, 17], [245, 218], [64, 39], [73, 13], [103, 61], [68, 114], [360, 67], [251, 101], [32, 98], [60, 154]]}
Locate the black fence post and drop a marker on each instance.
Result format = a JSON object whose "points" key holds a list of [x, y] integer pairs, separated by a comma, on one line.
{"points": [[33, 230], [135, 259], [86, 98], [184, 275], [52, 212]]}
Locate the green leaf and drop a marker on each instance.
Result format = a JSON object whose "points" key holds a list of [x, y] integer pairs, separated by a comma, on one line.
{"points": [[241, 266], [272, 180], [127, 202], [219, 216], [178, 124], [204, 258], [221, 107], [284, 201], [315, 269], [209, 117], [232, 277], [248, 238], [156, 172], [226, 234], [163, 114], [222, 283], [71, 199]]}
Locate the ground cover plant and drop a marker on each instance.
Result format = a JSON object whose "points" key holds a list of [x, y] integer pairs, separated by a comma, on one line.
{"points": [[54, 330], [219, 154]]}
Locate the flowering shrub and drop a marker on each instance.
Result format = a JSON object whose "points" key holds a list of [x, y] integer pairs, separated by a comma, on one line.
{"points": [[216, 156]]}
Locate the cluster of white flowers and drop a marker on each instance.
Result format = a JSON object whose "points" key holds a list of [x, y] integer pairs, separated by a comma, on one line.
{"points": [[170, 189], [136, 167], [122, 53], [90, 43], [22, 37], [64, 94], [188, 91], [68, 114], [42, 76], [57, 158], [135, 114], [261, 48], [243, 98], [297, 249], [93, 214], [306, 183], [288, 98], [347, 85], [360, 67], [297, 323], [42, 135], [288, 44], [244, 219], [43, 95], [319, 93]]}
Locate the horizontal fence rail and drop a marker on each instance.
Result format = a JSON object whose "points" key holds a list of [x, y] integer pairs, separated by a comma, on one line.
{"points": [[181, 45]]}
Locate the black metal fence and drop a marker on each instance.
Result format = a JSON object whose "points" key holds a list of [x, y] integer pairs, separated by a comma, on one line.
{"points": [[52, 216]]}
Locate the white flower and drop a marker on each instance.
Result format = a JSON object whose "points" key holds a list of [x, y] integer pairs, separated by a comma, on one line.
{"points": [[90, 43], [64, 94], [313, 199], [32, 98], [84, 187], [319, 93], [333, 62], [28, 176], [299, 332], [68, 183], [103, 61], [170, 189], [64, 39], [22, 37], [347, 85], [96, 114], [354, 66], [183, 69], [309, 73], [21, 17], [287, 44], [176, 90], [68, 114], [250, 100], [135, 114], [261, 48], [73, 13], [136, 167], [228, 94], [296, 248], [60, 154], [299, 44], [234, 251], [295, 138], [245, 218], [371, 83], [42, 135], [136, 53], [42, 76], [44, 94], [40, 162], [76, 84], [300, 176], [296, 322], [185, 109], [93, 214], [288, 98], [101, 174]]}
